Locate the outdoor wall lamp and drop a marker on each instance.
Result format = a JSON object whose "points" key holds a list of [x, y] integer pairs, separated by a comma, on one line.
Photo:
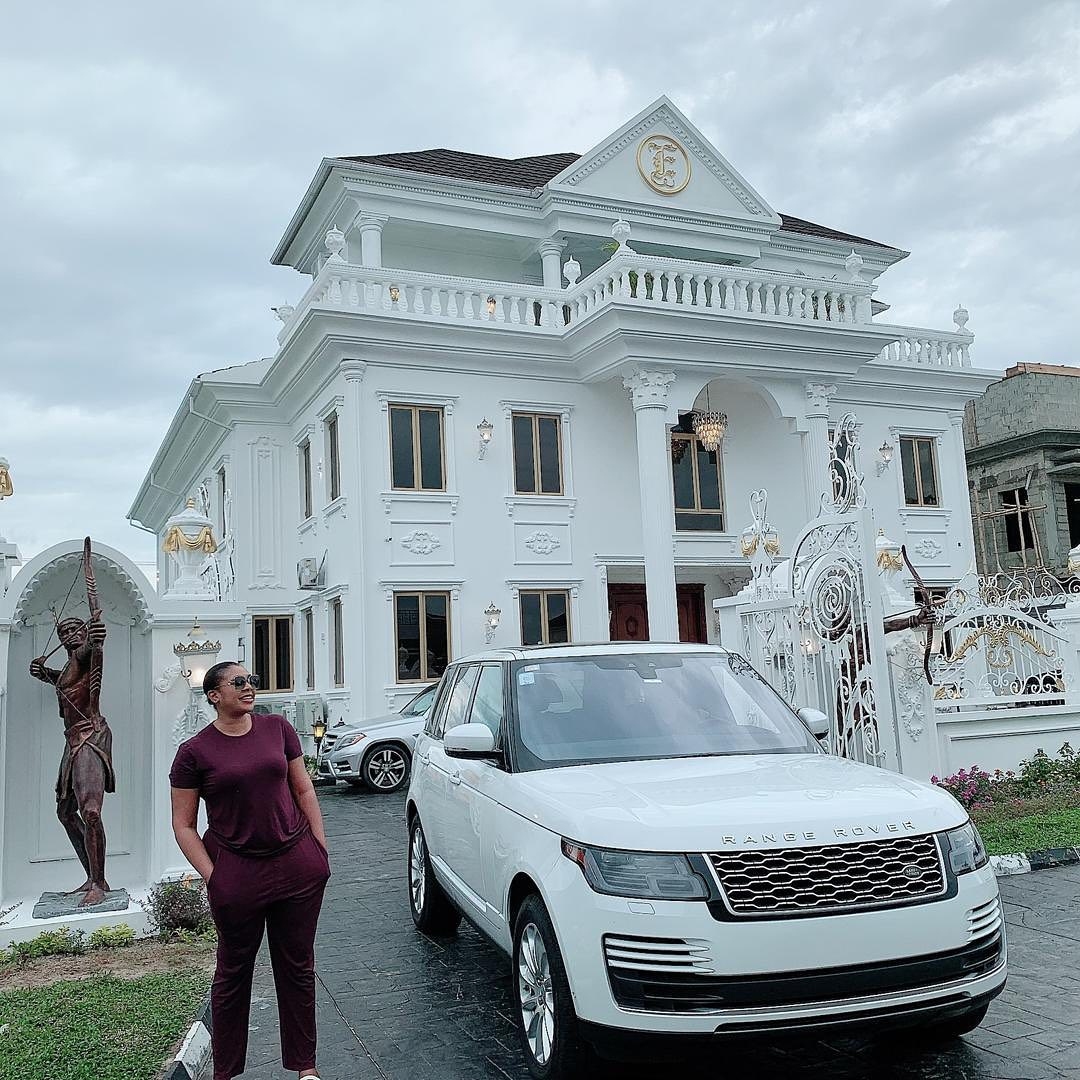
{"points": [[196, 655], [318, 733], [885, 452], [492, 615], [486, 430]]}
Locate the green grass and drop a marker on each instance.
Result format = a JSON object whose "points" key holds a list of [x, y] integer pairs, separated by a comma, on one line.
{"points": [[1054, 828], [103, 1028]]}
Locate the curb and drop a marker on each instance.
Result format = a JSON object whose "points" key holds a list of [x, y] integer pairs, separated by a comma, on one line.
{"points": [[1047, 859], [194, 1051]]}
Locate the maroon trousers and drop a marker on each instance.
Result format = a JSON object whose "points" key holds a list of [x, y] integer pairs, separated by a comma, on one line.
{"points": [[283, 893]]}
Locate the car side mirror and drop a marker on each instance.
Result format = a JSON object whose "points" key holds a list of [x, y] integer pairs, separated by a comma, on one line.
{"points": [[470, 741], [816, 721]]}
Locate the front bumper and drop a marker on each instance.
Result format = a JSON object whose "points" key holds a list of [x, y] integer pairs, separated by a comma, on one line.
{"points": [[342, 764], [668, 966]]}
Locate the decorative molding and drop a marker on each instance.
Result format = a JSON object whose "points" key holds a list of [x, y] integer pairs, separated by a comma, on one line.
{"points": [[264, 533], [906, 664], [453, 587], [665, 116], [818, 396], [426, 499], [353, 370], [928, 548], [421, 542], [648, 389], [307, 432], [542, 542], [386, 397], [333, 405], [518, 502], [562, 410], [516, 585]]}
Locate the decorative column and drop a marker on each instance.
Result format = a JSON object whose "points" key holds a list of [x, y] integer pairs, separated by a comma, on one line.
{"points": [[355, 645], [371, 227], [816, 445], [550, 257], [649, 394]]}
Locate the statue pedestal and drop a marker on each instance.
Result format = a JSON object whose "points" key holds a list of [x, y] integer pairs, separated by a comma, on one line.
{"points": [[58, 905]]}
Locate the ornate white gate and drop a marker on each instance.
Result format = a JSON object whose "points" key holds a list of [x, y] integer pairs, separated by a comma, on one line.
{"points": [[823, 644]]}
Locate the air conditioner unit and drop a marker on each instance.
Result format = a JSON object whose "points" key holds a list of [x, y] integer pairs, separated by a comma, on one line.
{"points": [[310, 573]]}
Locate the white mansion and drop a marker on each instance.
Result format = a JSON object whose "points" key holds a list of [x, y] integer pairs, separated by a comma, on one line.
{"points": [[489, 415]]}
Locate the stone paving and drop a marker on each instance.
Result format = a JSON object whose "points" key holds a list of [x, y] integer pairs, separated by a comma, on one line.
{"points": [[395, 1006]]}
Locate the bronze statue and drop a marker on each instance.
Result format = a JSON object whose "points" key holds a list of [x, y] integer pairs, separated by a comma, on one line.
{"points": [[86, 770]]}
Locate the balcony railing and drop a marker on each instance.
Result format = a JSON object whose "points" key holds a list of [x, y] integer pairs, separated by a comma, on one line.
{"points": [[627, 278]]}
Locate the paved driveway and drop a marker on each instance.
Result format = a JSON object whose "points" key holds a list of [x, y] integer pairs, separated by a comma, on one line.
{"points": [[395, 1006]]}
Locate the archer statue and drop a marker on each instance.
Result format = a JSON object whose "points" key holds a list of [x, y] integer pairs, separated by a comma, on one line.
{"points": [[86, 769]]}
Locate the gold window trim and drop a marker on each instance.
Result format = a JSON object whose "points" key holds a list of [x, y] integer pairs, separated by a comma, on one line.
{"points": [[333, 454], [693, 442], [423, 676], [535, 418], [271, 652], [414, 411], [915, 440], [545, 636], [337, 642]]}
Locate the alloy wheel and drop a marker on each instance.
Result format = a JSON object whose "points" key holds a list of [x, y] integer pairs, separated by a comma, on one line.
{"points": [[535, 994], [386, 768], [417, 869]]}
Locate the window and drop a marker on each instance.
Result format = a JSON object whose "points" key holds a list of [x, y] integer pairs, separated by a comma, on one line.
{"points": [[537, 454], [337, 643], [333, 456], [1072, 512], [1019, 530], [919, 466], [698, 483], [421, 635], [309, 648], [456, 706], [545, 617], [222, 493], [305, 479], [272, 635], [416, 448], [488, 704]]}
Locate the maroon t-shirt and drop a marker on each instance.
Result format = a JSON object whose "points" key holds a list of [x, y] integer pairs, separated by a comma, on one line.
{"points": [[244, 781]]}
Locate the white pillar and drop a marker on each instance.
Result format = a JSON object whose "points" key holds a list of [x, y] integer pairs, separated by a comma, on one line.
{"points": [[353, 630], [649, 394], [371, 227], [816, 445], [551, 258]]}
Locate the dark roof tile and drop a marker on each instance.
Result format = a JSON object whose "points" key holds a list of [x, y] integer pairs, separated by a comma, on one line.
{"points": [[533, 172]]}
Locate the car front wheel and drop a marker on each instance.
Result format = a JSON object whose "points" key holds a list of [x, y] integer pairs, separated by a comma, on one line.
{"points": [[432, 911], [547, 1023], [385, 768]]}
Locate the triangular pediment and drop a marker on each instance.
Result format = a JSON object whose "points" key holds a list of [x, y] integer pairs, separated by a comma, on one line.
{"points": [[659, 158]]}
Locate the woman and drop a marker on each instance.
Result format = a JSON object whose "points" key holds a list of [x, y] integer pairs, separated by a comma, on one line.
{"points": [[264, 861]]}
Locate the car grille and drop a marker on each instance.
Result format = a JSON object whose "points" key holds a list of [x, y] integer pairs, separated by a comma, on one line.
{"points": [[827, 878], [655, 990], [984, 920], [329, 742]]}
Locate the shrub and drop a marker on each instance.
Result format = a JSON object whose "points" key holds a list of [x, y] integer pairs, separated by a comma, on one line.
{"points": [[971, 787], [112, 937], [175, 906], [63, 941]]}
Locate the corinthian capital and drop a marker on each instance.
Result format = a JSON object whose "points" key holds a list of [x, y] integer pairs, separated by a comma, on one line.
{"points": [[649, 389], [817, 398]]}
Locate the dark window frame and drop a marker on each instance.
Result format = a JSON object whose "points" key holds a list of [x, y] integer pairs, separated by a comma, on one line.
{"points": [[333, 454], [914, 442], [416, 447], [545, 619], [692, 446], [268, 678], [307, 497], [534, 419], [309, 648], [337, 642], [424, 674]]}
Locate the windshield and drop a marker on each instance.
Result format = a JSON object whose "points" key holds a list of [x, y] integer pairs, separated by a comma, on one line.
{"points": [[421, 703], [636, 706]]}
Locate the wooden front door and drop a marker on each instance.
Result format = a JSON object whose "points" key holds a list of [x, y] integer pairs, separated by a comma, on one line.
{"points": [[630, 613]]}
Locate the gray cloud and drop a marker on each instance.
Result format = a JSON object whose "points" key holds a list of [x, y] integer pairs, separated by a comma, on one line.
{"points": [[149, 162]]}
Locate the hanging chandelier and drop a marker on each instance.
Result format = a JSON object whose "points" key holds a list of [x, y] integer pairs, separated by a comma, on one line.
{"points": [[709, 426]]}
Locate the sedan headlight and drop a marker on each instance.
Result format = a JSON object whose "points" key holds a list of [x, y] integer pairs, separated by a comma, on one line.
{"points": [[637, 873], [965, 849], [349, 740]]}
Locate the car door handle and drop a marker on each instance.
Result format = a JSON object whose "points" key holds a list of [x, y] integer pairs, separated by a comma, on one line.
{"points": [[455, 778]]}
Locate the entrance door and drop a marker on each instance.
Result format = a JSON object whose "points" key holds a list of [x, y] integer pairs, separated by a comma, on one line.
{"points": [[630, 613]]}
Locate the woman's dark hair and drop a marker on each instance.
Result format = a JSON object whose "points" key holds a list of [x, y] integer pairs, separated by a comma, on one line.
{"points": [[212, 679]]}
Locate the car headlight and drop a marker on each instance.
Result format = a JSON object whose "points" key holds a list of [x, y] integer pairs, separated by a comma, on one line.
{"points": [[637, 873], [966, 850], [349, 740]]}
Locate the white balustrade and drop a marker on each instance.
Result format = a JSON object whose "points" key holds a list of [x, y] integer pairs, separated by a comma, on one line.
{"points": [[626, 278]]}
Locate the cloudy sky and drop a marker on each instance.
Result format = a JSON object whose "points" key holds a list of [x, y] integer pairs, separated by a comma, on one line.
{"points": [[151, 156]]}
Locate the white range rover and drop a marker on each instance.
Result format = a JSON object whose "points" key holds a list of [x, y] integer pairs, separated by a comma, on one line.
{"points": [[662, 847]]}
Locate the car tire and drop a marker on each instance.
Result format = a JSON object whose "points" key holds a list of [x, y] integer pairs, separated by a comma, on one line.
{"points": [[385, 768], [547, 1024], [432, 910]]}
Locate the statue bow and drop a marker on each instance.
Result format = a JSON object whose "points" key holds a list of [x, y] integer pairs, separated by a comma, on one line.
{"points": [[926, 612]]}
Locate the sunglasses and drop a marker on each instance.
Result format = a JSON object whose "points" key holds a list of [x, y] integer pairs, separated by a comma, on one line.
{"points": [[238, 682]]}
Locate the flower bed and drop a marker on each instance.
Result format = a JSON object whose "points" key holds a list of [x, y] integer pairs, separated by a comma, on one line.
{"points": [[1034, 808]]}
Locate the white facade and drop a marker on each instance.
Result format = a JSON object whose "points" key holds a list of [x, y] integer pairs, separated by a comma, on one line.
{"points": [[481, 296]]}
